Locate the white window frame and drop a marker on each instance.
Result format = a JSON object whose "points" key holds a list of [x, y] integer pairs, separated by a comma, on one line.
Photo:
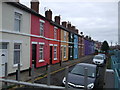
{"points": [[17, 19], [42, 27], [55, 33], [16, 64], [64, 51], [41, 50], [70, 51], [65, 35], [55, 52]]}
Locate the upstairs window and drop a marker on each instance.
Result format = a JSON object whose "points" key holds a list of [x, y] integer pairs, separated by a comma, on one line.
{"points": [[17, 22], [55, 33], [64, 35], [41, 28]]}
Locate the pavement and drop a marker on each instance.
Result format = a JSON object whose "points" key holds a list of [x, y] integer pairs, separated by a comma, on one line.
{"points": [[39, 72]]}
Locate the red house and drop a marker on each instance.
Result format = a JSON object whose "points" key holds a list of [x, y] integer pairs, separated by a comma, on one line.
{"points": [[39, 43], [53, 38], [45, 38]]}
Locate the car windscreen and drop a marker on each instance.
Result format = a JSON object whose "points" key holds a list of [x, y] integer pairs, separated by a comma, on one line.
{"points": [[79, 70], [98, 57]]}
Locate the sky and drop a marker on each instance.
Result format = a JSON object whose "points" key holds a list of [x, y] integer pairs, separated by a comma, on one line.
{"points": [[95, 18]]}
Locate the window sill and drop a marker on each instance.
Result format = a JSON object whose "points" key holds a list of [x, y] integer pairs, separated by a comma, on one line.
{"points": [[16, 65], [41, 60], [55, 58]]}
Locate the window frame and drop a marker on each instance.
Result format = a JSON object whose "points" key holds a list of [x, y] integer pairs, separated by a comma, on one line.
{"points": [[65, 35], [64, 51], [17, 18], [16, 64], [41, 50], [55, 33], [42, 24], [55, 52]]}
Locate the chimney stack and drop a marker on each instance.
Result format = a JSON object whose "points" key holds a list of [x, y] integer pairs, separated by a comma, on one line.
{"points": [[73, 27], [64, 24], [77, 31], [57, 19], [35, 5], [48, 14], [69, 25]]}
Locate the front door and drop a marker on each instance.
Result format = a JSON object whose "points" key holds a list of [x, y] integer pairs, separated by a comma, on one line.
{"points": [[4, 59], [50, 54], [34, 54]]}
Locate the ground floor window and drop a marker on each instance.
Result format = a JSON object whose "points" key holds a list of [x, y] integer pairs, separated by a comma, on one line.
{"points": [[55, 52], [41, 50], [71, 51], [17, 52], [64, 52]]}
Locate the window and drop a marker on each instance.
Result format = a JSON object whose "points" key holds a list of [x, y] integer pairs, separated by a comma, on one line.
{"points": [[64, 35], [71, 51], [3, 45], [41, 29], [41, 52], [17, 53], [64, 52], [55, 33], [17, 22], [55, 52], [71, 35]]}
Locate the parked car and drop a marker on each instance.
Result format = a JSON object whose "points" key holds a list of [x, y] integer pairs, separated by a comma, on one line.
{"points": [[99, 60], [77, 75], [104, 56]]}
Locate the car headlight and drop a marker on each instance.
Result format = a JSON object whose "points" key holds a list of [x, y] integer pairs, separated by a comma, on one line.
{"points": [[64, 79], [90, 86]]}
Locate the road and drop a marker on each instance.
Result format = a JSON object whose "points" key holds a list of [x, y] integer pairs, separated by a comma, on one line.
{"points": [[56, 78]]}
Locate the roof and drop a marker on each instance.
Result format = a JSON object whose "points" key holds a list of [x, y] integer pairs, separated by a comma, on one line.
{"points": [[25, 8], [87, 65]]}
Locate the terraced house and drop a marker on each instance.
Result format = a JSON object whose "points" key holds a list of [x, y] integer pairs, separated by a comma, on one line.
{"points": [[15, 41]]}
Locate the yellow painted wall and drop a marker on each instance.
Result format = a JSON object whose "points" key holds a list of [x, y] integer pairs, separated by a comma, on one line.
{"points": [[64, 43]]}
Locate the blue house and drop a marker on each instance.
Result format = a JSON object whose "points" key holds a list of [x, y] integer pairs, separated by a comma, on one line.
{"points": [[75, 46]]}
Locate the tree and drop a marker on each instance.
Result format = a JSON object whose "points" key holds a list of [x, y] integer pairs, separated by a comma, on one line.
{"points": [[105, 47]]}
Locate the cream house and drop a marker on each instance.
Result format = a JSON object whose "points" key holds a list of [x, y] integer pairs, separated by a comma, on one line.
{"points": [[14, 37]]}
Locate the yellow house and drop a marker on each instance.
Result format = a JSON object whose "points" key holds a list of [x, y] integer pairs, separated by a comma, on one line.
{"points": [[64, 45]]}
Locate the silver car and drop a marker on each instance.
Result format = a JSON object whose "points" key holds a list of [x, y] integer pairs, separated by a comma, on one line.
{"points": [[76, 76], [99, 60]]}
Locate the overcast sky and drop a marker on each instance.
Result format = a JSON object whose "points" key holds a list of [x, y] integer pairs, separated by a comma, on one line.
{"points": [[95, 18]]}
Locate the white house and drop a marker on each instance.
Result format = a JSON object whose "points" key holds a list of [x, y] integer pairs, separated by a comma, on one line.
{"points": [[15, 23]]}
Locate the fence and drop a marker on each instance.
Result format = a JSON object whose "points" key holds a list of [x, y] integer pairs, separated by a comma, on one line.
{"points": [[115, 65]]}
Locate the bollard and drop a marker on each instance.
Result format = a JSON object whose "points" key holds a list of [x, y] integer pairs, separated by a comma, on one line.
{"points": [[48, 75], [16, 74], [29, 71], [18, 71], [85, 77], [6, 74], [66, 76], [32, 73]]}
